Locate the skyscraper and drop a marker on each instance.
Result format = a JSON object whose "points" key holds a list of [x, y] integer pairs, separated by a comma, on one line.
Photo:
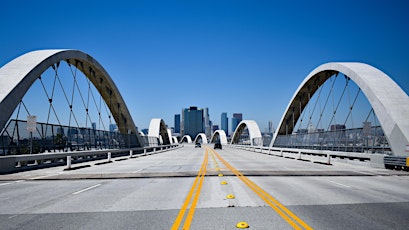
{"points": [[113, 128], [234, 123], [270, 127], [225, 123], [236, 119], [239, 116], [177, 123], [206, 122], [192, 120]]}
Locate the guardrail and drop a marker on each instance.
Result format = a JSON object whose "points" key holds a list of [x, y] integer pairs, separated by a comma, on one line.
{"points": [[396, 162], [16, 163], [317, 156]]}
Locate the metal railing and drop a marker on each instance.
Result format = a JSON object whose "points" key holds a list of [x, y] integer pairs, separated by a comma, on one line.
{"points": [[52, 138], [317, 156], [16, 163], [355, 140]]}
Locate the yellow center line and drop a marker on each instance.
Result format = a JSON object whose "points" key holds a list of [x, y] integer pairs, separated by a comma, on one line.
{"points": [[284, 212], [197, 185], [189, 217]]}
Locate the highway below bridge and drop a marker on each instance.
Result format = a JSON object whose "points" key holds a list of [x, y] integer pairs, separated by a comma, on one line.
{"points": [[199, 188]]}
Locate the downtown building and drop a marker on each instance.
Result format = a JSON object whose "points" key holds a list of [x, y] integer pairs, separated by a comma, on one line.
{"points": [[194, 121], [207, 123], [225, 123], [177, 123], [235, 121]]}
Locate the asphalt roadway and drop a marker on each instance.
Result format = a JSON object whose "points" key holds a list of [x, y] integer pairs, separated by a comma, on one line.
{"points": [[192, 187]]}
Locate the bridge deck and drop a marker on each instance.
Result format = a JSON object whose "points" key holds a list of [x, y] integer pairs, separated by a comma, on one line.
{"points": [[152, 190]]}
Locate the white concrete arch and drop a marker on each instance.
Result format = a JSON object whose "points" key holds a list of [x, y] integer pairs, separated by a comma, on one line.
{"points": [[157, 128], [389, 101], [221, 135], [254, 132], [18, 75], [170, 136], [186, 138], [175, 140], [202, 136]]}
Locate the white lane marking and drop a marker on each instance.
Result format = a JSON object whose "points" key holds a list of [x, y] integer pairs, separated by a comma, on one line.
{"points": [[39, 177], [4, 184], [137, 171], [86, 189], [338, 183], [365, 173], [11, 217], [17, 181]]}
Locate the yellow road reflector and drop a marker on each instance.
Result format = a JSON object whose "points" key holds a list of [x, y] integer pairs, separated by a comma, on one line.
{"points": [[223, 182], [242, 225], [230, 196], [220, 174], [283, 211]]}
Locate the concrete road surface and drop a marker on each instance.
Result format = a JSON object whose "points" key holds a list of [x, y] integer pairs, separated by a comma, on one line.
{"points": [[190, 187]]}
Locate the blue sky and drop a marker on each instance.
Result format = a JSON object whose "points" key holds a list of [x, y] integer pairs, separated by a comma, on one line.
{"points": [[230, 56]]}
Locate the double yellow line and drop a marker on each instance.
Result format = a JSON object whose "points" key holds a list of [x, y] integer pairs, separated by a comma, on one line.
{"points": [[284, 212], [196, 188]]}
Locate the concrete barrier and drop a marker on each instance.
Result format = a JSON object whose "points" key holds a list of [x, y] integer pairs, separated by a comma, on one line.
{"points": [[16, 163], [320, 156]]}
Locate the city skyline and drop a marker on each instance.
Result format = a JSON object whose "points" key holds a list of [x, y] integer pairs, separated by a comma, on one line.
{"points": [[236, 119], [254, 54]]}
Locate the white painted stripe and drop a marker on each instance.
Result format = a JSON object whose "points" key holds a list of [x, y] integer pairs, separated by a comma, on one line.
{"points": [[4, 184], [39, 177], [86, 189], [339, 184], [18, 181], [137, 171], [365, 173]]}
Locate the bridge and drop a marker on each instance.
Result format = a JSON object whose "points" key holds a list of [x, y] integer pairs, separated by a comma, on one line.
{"points": [[337, 159]]}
